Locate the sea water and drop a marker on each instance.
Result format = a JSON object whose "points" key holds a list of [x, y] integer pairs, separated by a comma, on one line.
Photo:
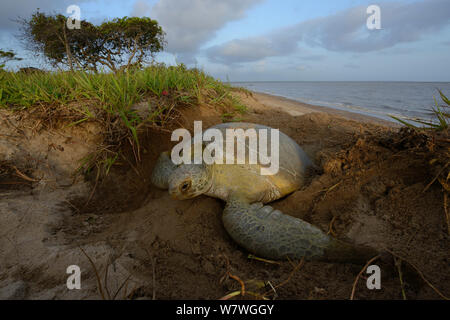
{"points": [[408, 100]]}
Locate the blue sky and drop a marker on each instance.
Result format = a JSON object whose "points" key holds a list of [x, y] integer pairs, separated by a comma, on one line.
{"points": [[287, 40]]}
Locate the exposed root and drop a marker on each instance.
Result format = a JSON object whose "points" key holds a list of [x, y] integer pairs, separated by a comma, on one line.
{"points": [[330, 227], [240, 282], [23, 176], [327, 191], [11, 172], [230, 275], [331, 188]]}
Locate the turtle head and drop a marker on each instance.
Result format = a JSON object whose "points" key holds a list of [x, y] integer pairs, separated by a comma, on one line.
{"points": [[189, 181], [164, 167]]}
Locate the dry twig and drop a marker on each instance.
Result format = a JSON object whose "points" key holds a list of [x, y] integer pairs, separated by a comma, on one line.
{"points": [[296, 268], [99, 282], [240, 282], [420, 274], [330, 227], [24, 176], [153, 272], [253, 257], [398, 264], [359, 275], [447, 213], [435, 178]]}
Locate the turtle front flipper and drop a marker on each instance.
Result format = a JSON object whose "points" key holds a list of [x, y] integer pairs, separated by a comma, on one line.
{"points": [[271, 234], [162, 171]]}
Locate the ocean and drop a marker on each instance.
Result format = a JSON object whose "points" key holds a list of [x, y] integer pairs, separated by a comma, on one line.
{"points": [[409, 100]]}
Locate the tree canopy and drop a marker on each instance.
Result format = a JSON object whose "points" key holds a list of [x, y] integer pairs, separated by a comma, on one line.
{"points": [[117, 44]]}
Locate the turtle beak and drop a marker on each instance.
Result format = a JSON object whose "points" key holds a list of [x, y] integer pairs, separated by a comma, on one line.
{"points": [[173, 193], [176, 195]]}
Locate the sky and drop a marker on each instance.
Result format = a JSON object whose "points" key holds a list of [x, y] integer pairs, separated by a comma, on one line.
{"points": [[276, 40]]}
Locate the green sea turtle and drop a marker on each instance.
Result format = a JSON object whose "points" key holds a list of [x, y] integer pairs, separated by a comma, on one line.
{"points": [[260, 229]]}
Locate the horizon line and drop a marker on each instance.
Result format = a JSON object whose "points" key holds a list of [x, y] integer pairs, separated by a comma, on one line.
{"points": [[271, 81]]}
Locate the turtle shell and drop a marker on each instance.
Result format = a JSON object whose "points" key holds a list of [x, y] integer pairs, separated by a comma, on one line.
{"points": [[260, 181]]}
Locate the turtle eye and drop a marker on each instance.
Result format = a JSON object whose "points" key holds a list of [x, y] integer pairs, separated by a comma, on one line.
{"points": [[185, 186]]}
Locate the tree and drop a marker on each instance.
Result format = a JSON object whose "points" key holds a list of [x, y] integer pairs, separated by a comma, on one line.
{"points": [[6, 56], [117, 44], [48, 35], [130, 40]]}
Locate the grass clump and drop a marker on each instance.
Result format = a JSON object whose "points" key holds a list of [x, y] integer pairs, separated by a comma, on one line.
{"points": [[441, 112], [110, 98], [437, 147], [115, 93]]}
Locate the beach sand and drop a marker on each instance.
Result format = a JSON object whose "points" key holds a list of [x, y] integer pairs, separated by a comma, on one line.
{"points": [[368, 188], [296, 108]]}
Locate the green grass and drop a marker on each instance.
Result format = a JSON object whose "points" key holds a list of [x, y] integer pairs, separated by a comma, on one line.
{"points": [[116, 93], [442, 116], [109, 98]]}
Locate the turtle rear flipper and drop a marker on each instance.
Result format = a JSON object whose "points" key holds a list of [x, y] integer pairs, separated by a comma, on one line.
{"points": [[270, 234]]}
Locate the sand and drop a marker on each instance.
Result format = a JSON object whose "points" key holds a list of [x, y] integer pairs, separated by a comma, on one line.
{"points": [[367, 189], [296, 108]]}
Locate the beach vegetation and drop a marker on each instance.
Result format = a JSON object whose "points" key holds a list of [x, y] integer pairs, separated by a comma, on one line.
{"points": [[441, 116], [112, 100]]}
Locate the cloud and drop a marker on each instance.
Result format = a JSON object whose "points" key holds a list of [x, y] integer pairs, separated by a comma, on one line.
{"points": [[313, 57], [191, 23], [396, 51], [237, 51], [345, 31], [301, 68], [351, 66], [140, 8]]}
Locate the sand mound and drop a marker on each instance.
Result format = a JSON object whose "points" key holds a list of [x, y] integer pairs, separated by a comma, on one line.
{"points": [[368, 186]]}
